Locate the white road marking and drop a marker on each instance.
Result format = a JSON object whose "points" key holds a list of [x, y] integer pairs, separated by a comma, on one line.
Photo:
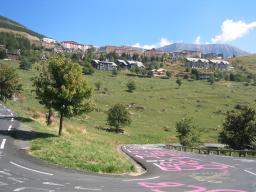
{"points": [[11, 114], [16, 180], [144, 179], [54, 184], [10, 127], [5, 173], [151, 161], [224, 164], [33, 188], [12, 119], [45, 173], [250, 172], [89, 189], [2, 144], [139, 156]]}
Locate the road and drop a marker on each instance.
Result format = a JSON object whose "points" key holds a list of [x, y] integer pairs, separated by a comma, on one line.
{"points": [[166, 170]]}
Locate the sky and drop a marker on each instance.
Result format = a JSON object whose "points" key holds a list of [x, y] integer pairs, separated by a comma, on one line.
{"points": [[140, 23]]}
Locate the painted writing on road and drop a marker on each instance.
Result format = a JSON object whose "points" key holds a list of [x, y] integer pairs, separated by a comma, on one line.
{"points": [[174, 161], [180, 187]]}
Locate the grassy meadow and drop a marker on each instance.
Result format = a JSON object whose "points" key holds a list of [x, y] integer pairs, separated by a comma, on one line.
{"points": [[155, 107]]}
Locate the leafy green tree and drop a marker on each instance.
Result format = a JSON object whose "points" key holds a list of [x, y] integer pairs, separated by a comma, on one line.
{"points": [[211, 79], [168, 74], [9, 82], [88, 69], [114, 72], [187, 134], [239, 129], [150, 73], [25, 64], [131, 86], [98, 85], [44, 90], [118, 116], [2, 53], [179, 82], [195, 73], [68, 89]]}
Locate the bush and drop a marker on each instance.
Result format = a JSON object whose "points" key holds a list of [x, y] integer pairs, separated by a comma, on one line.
{"points": [[187, 132], [131, 86], [118, 116]]}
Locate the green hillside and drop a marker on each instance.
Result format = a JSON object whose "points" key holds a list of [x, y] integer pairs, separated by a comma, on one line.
{"points": [[155, 107], [9, 24], [246, 63]]}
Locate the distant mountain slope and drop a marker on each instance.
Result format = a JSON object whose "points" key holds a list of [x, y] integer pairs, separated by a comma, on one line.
{"points": [[10, 25], [226, 50]]}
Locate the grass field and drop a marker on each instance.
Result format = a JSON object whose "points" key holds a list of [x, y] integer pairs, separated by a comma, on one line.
{"points": [[155, 107]]}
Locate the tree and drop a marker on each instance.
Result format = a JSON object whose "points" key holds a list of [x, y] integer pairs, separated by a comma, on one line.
{"points": [[179, 82], [211, 79], [88, 69], [9, 82], [2, 53], [187, 133], [131, 86], [114, 72], [118, 116], [67, 88], [168, 74], [44, 89], [98, 85], [239, 129], [25, 64]]}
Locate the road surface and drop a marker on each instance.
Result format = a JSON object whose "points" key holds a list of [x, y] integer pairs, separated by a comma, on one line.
{"points": [[166, 170]]}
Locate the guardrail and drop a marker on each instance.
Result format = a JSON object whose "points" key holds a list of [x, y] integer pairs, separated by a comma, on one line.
{"points": [[210, 151]]}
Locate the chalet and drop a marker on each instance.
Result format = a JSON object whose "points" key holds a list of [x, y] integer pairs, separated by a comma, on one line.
{"points": [[122, 64], [119, 50], [197, 63], [74, 46], [153, 53], [159, 72], [207, 64], [133, 64], [186, 53], [104, 65]]}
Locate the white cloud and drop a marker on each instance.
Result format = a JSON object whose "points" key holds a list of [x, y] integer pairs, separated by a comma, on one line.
{"points": [[161, 43], [164, 42], [197, 40], [232, 30]]}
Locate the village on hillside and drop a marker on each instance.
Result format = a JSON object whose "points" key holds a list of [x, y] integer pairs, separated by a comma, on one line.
{"points": [[130, 58]]}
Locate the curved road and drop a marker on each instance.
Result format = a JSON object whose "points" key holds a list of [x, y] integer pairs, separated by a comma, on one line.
{"points": [[166, 170]]}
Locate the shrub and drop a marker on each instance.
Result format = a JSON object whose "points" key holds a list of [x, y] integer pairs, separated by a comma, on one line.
{"points": [[187, 132], [131, 86]]}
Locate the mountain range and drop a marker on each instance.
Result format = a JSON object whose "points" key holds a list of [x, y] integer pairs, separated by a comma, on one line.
{"points": [[8, 25], [226, 50]]}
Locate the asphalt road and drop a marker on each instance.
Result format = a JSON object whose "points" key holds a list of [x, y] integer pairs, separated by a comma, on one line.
{"points": [[166, 170]]}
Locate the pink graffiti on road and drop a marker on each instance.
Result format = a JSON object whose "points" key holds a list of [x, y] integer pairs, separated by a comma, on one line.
{"points": [[174, 161], [180, 187], [188, 165]]}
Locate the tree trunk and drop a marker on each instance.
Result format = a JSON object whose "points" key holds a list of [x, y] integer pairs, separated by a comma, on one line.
{"points": [[61, 121], [49, 117]]}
